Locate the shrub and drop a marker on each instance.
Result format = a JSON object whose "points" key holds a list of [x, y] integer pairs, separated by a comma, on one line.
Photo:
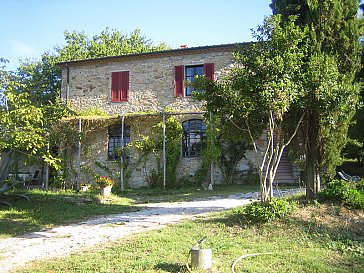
{"points": [[264, 212], [155, 179], [348, 193]]}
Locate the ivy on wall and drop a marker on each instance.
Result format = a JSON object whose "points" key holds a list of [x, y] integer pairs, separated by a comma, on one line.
{"points": [[153, 145]]}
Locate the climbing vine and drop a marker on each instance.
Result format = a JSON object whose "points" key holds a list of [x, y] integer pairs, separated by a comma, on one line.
{"points": [[153, 145], [211, 153]]}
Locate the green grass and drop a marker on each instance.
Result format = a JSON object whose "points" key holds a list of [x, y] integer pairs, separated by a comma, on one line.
{"points": [[300, 243], [48, 209], [185, 194]]}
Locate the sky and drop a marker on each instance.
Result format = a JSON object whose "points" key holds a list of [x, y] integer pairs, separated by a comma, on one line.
{"points": [[28, 28]]}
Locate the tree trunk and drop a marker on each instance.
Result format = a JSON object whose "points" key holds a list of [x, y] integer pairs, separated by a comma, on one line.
{"points": [[313, 178], [312, 160]]}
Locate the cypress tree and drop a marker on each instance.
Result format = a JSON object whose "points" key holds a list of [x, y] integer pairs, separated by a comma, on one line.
{"points": [[331, 92]]}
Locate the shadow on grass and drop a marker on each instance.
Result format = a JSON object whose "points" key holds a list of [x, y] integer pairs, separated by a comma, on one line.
{"points": [[45, 210], [334, 226], [170, 267]]}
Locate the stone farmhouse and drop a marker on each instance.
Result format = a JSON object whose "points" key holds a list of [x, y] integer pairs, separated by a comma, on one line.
{"points": [[139, 90]]}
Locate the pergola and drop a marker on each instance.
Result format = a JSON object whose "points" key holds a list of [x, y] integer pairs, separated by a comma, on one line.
{"points": [[122, 117]]}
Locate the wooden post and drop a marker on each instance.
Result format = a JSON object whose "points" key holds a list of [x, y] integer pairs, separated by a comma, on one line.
{"points": [[79, 156], [164, 150], [122, 155], [212, 163]]}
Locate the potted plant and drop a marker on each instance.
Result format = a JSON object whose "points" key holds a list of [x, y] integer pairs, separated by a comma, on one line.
{"points": [[85, 187], [105, 183]]}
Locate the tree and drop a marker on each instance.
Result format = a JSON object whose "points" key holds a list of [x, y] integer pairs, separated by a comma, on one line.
{"points": [[260, 90], [331, 94], [24, 128], [42, 79], [30, 105]]}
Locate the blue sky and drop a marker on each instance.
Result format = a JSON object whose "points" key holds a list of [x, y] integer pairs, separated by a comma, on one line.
{"points": [[32, 27]]}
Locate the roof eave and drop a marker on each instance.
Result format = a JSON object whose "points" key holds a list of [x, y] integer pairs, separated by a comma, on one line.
{"points": [[182, 51]]}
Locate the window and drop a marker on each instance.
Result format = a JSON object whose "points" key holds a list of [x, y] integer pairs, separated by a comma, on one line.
{"points": [[188, 73], [191, 72], [194, 133], [115, 140], [119, 86]]}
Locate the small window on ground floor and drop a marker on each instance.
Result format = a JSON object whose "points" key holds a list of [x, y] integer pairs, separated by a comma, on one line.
{"points": [[194, 134], [115, 140]]}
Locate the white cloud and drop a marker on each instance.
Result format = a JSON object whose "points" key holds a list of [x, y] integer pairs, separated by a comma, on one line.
{"points": [[23, 50]]}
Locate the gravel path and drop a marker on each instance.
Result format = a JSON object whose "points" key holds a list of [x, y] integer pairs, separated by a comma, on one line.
{"points": [[60, 241]]}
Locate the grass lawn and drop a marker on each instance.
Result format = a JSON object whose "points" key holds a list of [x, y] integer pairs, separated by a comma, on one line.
{"points": [[316, 238], [48, 209]]}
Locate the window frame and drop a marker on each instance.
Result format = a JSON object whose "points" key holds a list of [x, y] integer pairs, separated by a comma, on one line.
{"points": [[188, 90], [114, 137], [192, 145], [180, 89]]}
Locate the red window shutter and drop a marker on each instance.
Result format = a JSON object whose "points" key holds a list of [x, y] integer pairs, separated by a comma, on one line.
{"points": [[209, 71], [125, 86], [178, 80], [115, 86], [120, 86]]}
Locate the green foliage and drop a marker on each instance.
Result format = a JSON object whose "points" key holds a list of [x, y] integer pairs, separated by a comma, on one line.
{"points": [[349, 193], [40, 79], [267, 211], [104, 181], [25, 126], [211, 152], [109, 43], [153, 145], [232, 152], [31, 94], [155, 179], [355, 146], [331, 94], [92, 112], [333, 97], [354, 149], [261, 88]]}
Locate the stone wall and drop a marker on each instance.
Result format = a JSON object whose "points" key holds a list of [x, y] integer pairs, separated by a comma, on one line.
{"points": [[151, 83], [151, 89]]}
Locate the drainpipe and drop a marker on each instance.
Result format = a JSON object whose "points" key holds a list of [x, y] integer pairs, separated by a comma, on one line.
{"points": [[164, 150], [122, 155], [68, 84], [79, 156], [212, 163]]}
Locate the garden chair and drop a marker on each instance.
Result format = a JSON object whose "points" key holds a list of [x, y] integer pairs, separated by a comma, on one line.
{"points": [[348, 177]]}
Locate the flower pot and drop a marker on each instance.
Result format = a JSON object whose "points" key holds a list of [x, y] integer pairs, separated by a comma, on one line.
{"points": [[84, 188], [105, 191]]}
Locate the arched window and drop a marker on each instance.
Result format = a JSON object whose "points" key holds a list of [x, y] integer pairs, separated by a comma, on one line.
{"points": [[194, 133], [115, 140]]}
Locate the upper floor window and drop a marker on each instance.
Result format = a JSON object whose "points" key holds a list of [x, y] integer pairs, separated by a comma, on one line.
{"points": [[114, 144], [120, 86], [194, 134], [188, 73], [191, 72]]}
